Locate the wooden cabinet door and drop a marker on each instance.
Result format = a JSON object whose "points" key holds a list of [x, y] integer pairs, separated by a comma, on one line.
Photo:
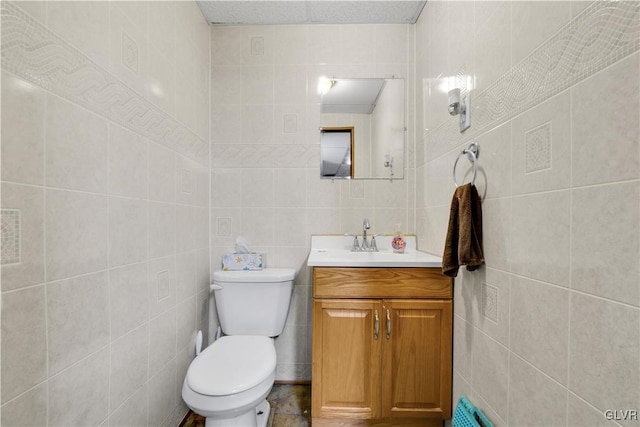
{"points": [[416, 359], [346, 358]]}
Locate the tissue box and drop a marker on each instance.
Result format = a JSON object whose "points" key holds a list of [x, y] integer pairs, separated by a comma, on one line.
{"points": [[250, 261]]}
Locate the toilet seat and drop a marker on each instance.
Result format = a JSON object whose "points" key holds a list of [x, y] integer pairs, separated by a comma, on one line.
{"points": [[231, 365]]}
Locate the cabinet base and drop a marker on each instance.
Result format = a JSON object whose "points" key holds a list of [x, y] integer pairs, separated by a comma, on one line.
{"points": [[382, 422]]}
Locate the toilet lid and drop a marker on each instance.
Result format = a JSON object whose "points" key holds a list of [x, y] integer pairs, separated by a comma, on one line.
{"points": [[231, 365]]}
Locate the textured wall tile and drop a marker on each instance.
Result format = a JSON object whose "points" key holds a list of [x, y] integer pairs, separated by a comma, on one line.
{"points": [[133, 412], [604, 348], [10, 236], [128, 163], [162, 229], [127, 231], [535, 399], [290, 44], [185, 228], [462, 340], [129, 363], [581, 414], [539, 326], [257, 124], [493, 46], [490, 373], [162, 339], [162, 285], [605, 244], [76, 233], [161, 83], [28, 49], [76, 148], [79, 396], [129, 54], [162, 174], [128, 296], [30, 409], [491, 304], [186, 324], [542, 147], [533, 22], [226, 45], [78, 319], [290, 84], [84, 25], [185, 276], [24, 352], [605, 121], [162, 396], [540, 237], [496, 223], [537, 148], [22, 131], [257, 84], [257, 188]]}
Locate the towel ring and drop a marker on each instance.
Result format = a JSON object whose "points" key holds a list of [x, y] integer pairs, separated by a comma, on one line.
{"points": [[472, 152]]}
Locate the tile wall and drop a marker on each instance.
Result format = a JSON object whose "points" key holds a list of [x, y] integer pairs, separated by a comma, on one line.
{"points": [[266, 182], [548, 332], [104, 197]]}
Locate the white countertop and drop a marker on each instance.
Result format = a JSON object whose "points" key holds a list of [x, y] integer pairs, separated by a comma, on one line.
{"points": [[335, 251]]}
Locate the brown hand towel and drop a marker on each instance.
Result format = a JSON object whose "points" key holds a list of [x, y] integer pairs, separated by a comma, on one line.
{"points": [[464, 237]]}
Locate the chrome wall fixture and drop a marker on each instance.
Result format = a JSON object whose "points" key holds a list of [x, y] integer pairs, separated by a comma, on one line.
{"points": [[462, 107], [472, 152]]}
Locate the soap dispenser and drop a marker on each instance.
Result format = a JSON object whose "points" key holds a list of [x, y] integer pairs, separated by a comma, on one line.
{"points": [[398, 243]]}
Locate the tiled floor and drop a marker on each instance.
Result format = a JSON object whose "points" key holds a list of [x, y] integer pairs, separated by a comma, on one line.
{"points": [[290, 407]]}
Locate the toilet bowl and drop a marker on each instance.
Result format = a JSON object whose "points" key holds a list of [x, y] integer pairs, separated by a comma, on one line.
{"points": [[229, 381]]}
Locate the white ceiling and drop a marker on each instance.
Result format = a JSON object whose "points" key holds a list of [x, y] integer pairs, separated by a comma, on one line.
{"points": [[268, 12]]}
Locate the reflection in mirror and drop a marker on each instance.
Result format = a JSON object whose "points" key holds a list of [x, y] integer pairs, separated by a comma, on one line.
{"points": [[374, 110], [336, 152]]}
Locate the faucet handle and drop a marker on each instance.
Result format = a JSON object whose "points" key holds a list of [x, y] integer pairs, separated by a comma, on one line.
{"points": [[356, 246], [373, 246]]}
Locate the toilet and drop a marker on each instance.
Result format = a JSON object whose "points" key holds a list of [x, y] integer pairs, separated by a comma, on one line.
{"points": [[229, 381]]}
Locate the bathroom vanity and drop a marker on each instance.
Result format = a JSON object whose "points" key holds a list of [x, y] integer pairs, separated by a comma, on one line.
{"points": [[382, 340]]}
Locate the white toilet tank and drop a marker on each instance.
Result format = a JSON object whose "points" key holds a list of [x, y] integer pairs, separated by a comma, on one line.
{"points": [[253, 302]]}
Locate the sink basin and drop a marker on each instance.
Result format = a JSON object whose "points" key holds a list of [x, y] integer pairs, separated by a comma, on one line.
{"points": [[335, 251]]}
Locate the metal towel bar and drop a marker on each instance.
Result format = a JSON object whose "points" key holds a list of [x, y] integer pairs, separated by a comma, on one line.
{"points": [[472, 152]]}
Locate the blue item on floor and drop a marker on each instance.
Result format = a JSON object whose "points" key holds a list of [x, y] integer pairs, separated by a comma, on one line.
{"points": [[467, 415]]}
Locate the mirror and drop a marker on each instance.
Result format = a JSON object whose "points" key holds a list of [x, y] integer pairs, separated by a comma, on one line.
{"points": [[373, 110], [336, 152]]}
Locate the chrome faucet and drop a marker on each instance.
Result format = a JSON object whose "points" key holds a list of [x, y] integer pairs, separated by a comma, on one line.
{"points": [[365, 226], [366, 245]]}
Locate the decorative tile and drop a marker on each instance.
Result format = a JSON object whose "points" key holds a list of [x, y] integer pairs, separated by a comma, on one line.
{"points": [[223, 228], [290, 123], [129, 52], [602, 34], [37, 55], [187, 182], [537, 144], [257, 46], [490, 302], [163, 284], [10, 236]]}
